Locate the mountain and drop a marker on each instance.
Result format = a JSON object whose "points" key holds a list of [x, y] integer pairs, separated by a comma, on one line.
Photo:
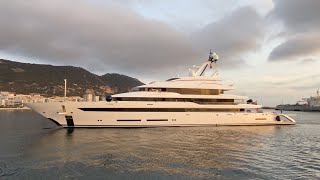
{"points": [[48, 80], [117, 80]]}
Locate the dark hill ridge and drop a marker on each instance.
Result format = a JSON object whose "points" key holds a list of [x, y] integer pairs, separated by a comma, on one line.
{"points": [[116, 80], [47, 80]]}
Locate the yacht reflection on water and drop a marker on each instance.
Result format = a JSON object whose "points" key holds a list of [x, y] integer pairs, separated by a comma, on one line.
{"points": [[192, 150], [70, 131]]}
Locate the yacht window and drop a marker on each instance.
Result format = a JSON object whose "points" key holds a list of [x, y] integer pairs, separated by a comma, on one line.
{"points": [[196, 91], [198, 101], [128, 120], [157, 119], [160, 109]]}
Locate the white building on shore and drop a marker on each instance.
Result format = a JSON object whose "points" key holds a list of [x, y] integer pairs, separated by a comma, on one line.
{"points": [[11, 99]]}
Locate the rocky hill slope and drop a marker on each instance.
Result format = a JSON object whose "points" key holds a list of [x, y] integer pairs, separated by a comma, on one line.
{"points": [[48, 80]]}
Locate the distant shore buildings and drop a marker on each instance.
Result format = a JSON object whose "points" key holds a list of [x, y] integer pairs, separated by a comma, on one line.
{"points": [[11, 99], [306, 104]]}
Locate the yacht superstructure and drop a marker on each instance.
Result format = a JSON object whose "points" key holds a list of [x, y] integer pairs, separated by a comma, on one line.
{"points": [[197, 100]]}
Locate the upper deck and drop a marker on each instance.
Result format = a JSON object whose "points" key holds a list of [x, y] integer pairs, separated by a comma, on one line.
{"points": [[190, 83], [204, 77]]}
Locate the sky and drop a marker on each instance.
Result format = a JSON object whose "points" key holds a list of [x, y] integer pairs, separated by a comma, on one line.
{"points": [[269, 49]]}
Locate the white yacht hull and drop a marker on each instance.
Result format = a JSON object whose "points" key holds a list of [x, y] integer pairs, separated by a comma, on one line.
{"points": [[72, 115]]}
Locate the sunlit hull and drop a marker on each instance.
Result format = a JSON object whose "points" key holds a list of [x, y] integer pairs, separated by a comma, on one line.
{"points": [[102, 114]]}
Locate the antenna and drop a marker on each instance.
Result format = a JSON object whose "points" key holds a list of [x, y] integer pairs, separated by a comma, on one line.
{"points": [[210, 56], [65, 89]]}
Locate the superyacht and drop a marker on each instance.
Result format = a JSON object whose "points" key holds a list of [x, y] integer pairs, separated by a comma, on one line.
{"points": [[196, 100]]}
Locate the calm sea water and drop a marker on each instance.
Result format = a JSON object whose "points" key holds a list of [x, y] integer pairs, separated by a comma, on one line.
{"points": [[31, 147]]}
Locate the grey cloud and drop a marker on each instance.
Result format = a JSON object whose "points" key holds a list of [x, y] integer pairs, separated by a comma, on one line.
{"points": [[301, 23], [296, 48], [235, 34], [112, 37], [109, 37], [297, 15]]}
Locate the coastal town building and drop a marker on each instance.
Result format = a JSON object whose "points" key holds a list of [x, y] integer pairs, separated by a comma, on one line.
{"points": [[11, 99]]}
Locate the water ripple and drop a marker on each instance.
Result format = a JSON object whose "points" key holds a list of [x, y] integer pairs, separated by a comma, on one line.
{"points": [[272, 152]]}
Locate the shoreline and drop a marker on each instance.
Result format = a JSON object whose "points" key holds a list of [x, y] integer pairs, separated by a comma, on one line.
{"points": [[23, 108]]}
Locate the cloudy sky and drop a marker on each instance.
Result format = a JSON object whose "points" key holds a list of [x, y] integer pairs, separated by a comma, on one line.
{"points": [[269, 49]]}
